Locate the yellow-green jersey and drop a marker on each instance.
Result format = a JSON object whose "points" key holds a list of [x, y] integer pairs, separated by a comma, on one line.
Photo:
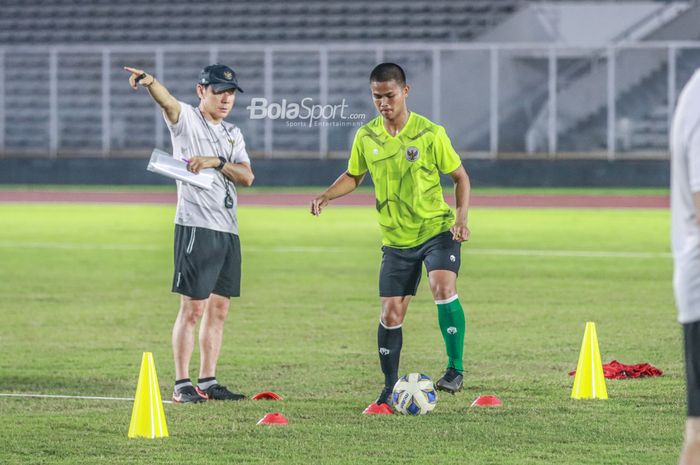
{"points": [[406, 171]]}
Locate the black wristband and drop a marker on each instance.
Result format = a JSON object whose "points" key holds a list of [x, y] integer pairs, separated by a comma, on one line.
{"points": [[222, 162], [142, 76]]}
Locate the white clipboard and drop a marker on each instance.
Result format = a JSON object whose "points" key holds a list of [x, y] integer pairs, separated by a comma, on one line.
{"points": [[164, 164]]}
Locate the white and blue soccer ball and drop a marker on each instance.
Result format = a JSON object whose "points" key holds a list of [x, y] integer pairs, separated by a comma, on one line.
{"points": [[414, 394]]}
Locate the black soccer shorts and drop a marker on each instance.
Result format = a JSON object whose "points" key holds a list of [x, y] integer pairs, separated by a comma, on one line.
{"points": [[206, 262], [400, 272]]}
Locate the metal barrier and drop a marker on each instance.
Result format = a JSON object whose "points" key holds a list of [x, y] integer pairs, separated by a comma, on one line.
{"points": [[493, 99]]}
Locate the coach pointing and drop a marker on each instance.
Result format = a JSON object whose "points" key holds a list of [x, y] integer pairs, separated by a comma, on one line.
{"points": [[207, 249]]}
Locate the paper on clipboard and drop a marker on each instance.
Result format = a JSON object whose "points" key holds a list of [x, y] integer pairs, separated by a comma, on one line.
{"points": [[164, 164]]}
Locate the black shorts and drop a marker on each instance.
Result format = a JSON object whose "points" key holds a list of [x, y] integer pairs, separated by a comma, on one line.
{"points": [[206, 262], [400, 272], [691, 336]]}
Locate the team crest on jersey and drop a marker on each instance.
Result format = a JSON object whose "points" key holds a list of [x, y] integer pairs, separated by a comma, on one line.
{"points": [[228, 75], [412, 153]]}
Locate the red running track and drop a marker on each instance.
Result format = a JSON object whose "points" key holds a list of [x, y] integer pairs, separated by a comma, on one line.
{"points": [[296, 199]]}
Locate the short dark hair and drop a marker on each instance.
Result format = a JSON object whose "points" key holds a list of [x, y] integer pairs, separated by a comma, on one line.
{"points": [[384, 72]]}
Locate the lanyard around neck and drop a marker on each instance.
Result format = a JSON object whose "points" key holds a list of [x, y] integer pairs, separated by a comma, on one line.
{"points": [[214, 139]]}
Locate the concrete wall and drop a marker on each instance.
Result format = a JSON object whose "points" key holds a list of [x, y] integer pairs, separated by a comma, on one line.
{"points": [[497, 173]]}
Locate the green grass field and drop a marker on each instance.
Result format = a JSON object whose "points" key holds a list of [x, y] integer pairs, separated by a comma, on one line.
{"points": [[85, 290]]}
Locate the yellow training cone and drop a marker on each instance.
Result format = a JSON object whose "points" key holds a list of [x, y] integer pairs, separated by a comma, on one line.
{"points": [[147, 417], [589, 382]]}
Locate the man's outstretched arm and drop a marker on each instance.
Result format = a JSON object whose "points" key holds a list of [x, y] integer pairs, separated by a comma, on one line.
{"points": [[161, 95], [345, 184]]}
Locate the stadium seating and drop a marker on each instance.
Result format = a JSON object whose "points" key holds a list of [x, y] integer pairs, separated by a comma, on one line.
{"points": [[642, 112], [131, 121], [65, 21]]}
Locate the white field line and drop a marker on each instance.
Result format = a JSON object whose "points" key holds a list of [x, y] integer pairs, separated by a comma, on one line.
{"points": [[77, 246], [568, 253], [52, 396], [317, 249]]}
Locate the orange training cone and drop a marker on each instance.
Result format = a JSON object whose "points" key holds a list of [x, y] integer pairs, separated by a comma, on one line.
{"points": [[273, 419], [267, 395], [487, 401], [589, 382], [147, 417]]}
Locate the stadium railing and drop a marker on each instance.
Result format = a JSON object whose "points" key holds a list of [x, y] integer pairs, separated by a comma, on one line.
{"points": [[495, 100]]}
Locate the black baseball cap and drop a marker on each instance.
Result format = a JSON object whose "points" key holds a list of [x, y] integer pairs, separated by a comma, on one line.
{"points": [[220, 77]]}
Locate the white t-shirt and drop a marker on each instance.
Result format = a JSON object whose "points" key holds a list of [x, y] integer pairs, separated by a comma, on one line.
{"points": [[685, 180], [194, 136]]}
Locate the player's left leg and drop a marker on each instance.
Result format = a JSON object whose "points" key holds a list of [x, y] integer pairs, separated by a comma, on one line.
{"points": [[452, 326], [211, 333], [690, 454], [211, 329], [442, 260]]}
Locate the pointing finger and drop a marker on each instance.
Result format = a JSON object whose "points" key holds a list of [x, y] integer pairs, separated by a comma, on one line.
{"points": [[133, 70]]}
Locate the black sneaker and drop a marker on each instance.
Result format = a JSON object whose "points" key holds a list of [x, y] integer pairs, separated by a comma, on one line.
{"points": [[384, 397], [382, 406], [187, 395], [219, 392], [452, 381]]}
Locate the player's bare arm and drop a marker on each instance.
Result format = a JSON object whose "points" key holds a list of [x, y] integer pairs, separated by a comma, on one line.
{"points": [[345, 184], [460, 230], [240, 173], [158, 91]]}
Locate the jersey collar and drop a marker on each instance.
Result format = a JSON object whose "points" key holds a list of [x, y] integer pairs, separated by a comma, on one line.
{"points": [[408, 121]]}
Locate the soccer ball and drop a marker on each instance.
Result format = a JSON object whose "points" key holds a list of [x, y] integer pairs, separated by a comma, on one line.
{"points": [[414, 394]]}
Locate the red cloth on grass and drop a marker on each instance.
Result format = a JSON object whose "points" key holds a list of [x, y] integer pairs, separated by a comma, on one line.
{"points": [[617, 370]]}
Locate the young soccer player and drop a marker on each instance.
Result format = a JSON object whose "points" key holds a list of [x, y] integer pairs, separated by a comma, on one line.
{"points": [[405, 153]]}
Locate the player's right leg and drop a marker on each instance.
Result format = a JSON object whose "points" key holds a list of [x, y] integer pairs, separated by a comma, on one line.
{"points": [[442, 261], [398, 280], [691, 445], [191, 311]]}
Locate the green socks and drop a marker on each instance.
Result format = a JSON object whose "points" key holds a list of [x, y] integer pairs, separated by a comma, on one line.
{"points": [[453, 326]]}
